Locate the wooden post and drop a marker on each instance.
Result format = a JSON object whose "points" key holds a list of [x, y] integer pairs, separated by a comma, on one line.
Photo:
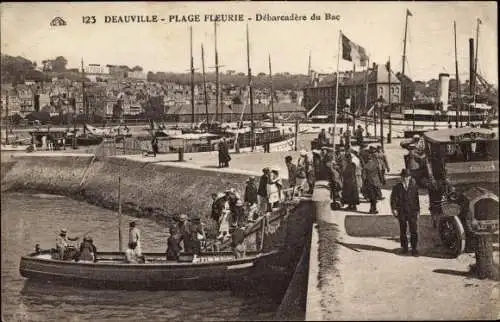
{"points": [[381, 121], [296, 133], [7, 118]]}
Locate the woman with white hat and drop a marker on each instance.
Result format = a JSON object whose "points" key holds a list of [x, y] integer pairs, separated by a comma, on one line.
{"points": [[274, 188], [301, 171]]}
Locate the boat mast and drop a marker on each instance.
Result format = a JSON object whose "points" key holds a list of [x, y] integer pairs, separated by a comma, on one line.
{"points": [[204, 81], [456, 75], [404, 55], [250, 90], [192, 76], [216, 74], [475, 66], [272, 90], [7, 117], [83, 99], [309, 66]]}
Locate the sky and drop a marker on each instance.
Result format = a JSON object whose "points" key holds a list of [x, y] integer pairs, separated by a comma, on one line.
{"points": [[164, 46]]}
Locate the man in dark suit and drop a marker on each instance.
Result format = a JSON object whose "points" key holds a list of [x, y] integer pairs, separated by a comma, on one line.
{"points": [[405, 206]]}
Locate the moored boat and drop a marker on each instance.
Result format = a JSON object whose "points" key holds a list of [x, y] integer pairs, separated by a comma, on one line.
{"points": [[214, 270]]}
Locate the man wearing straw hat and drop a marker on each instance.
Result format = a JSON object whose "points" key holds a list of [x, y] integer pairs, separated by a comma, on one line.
{"points": [[62, 242]]}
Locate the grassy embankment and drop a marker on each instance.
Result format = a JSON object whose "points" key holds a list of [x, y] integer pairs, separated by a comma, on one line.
{"points": [[153, 190]]}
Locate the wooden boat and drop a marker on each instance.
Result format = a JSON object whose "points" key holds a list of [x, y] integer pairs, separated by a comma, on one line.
{"points": [[215, 270]]}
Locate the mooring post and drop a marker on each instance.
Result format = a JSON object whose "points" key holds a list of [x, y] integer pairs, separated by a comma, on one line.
{"points": [[322, 201]]}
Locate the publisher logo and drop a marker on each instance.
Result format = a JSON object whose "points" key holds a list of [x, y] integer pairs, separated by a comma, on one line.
{"points": [[57, 22]]}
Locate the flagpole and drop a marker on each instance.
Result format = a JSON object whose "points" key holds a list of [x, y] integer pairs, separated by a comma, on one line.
{"points": [[336, 92], [353, 101]]}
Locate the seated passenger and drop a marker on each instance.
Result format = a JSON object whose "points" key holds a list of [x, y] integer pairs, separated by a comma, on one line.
{"points": [[64, 250], [131, 254], [174, 245], [88, 250], [238, 242]]}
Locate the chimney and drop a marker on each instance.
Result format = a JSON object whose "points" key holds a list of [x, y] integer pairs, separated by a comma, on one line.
{"points": [[443, 90], [472, 77]]}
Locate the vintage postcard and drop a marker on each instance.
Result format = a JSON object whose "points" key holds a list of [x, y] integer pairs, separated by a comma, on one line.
{"points": [[237, 160]]}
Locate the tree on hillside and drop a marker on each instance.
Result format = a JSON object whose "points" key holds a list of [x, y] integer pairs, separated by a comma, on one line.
{"points": [[261, 74], [137, 68], [59, 64]]}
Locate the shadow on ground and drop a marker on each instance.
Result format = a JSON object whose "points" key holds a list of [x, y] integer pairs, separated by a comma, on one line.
{"points": [[432, 252]]}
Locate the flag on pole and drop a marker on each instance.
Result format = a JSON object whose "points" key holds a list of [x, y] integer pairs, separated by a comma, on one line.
{"points": [[353, 52], [408, 13]]}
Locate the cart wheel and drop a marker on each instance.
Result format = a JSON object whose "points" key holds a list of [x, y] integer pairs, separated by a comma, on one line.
{"points": [[452, 234], [485, 267]]}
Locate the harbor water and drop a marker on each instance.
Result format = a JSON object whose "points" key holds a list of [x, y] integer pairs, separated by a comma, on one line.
{"points": [[28, 219]]}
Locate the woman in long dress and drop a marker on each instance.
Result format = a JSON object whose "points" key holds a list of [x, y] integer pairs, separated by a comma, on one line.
{"points": [[224, 223], [350, 195], [274, 189]]}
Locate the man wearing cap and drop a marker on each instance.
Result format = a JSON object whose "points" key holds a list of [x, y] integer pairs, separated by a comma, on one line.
{"points": [[262, 191], [292, 173], [405, 206], [62, 242], [414, 163]]}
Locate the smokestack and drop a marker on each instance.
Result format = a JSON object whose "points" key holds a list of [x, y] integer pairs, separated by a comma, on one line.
{"points": [[472, 77], [443, 90]]}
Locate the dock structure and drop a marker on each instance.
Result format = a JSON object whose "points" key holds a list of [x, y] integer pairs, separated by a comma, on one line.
{"points": [[354, 270]]}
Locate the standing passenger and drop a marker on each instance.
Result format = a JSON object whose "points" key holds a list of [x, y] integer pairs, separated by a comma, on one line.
{"points": [[251, 198], [292, 173], [350, 194], [262, 191], [371, 181]]}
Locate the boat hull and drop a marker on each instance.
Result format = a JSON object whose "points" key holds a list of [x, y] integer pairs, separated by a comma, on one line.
{"points": [[155, 274]]}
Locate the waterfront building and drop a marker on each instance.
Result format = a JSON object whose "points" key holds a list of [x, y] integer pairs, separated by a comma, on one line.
{"points": [[352, 91]]}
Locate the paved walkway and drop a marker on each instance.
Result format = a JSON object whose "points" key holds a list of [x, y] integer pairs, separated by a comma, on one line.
{"points": [[371, 281]]}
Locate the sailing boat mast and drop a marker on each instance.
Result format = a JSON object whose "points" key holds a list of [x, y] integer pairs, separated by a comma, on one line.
{"points": [[83, 99], [272, 90], [204, 81], [309, 66], [474, 80], [216, 74], [250, 87], [408, 13], [456, 75], [192, 76]]}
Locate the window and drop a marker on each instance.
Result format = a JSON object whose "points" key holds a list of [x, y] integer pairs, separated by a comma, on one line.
{"points": [[381, 90]]}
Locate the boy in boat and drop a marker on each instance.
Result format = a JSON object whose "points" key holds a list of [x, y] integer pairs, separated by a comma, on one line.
{"points": [[134, 236], [63, 247], [131, 254]]}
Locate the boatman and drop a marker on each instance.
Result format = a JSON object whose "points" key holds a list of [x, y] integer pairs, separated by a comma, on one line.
{"points": [[134, 237], [62, 243]]}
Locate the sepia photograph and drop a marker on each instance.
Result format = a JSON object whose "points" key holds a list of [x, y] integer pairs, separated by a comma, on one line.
{"points": [[249, 161]]}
